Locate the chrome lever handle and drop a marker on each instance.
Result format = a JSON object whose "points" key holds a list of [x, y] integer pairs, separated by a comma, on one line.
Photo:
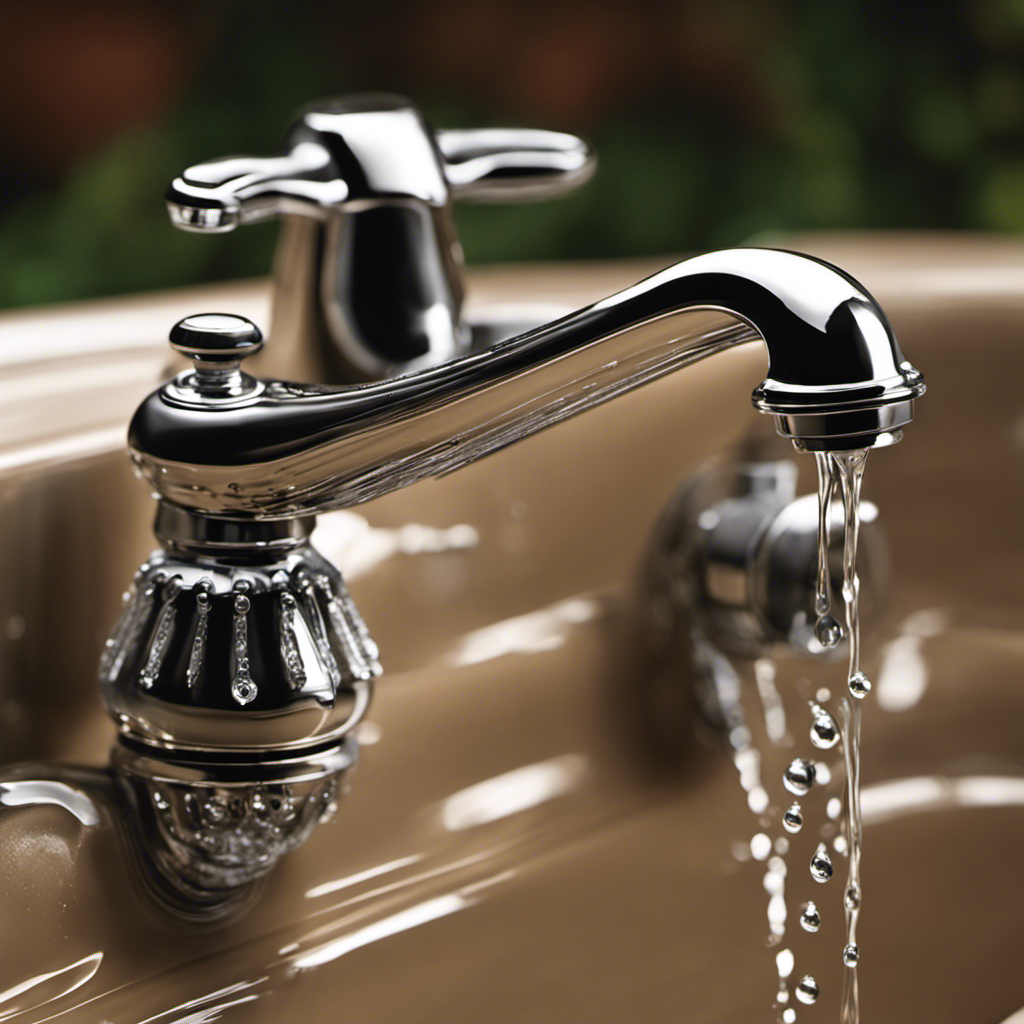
{"points": [[221, 194], [513, 164], [351, 153]]}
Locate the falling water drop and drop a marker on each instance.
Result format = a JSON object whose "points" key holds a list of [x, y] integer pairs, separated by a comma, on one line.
{"points": [[827, 631], [852, 898], [789, 1016], [824, 731], [810, 918], [793, 820], [860, 685], [807, 990], [851, 954], [821, 864], [799, 776]]}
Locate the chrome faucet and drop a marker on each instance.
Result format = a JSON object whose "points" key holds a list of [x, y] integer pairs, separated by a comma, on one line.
{"points": [[368, 272], [240, 654]]}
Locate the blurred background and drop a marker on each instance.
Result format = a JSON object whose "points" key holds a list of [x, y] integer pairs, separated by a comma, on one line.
{"points": [[716, 121]]}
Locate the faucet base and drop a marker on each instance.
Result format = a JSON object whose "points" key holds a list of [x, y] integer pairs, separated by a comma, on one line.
{"points": [[212, 828], [233, 649]]}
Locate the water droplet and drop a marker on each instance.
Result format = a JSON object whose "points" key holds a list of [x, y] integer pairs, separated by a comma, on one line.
{"points": [[810, 919], [789, 1016], [807, 990], [860, 685], [784, 962], [793, 820], [852, 898], [799, 776], [161, 801], [824, 731], [828, 631], [760, 846], [821, 864], [834, 807], [851, 954]]}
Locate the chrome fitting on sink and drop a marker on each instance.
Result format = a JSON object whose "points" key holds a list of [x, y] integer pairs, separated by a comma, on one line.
{"points": [[735, 560]]}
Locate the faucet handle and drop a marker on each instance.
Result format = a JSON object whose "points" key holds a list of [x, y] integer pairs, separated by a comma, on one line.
{"points": [[217, 343], [497, 165], [368, 271], [350, 151]]}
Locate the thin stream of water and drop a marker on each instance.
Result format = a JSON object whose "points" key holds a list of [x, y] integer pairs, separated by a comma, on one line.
{"points": [[826, 628], [847, 469]]}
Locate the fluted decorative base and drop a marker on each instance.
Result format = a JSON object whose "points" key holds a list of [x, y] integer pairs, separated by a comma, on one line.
{"points": [[261, 653]]}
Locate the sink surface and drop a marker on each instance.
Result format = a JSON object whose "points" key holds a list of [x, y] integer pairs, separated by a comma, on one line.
{"points": [[507, 851]]}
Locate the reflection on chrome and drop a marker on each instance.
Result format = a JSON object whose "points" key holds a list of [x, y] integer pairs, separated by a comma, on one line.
{"points": [[886, 801], [513, 792], [64, 980], [361, 876], [533, 633], [47, 791]]}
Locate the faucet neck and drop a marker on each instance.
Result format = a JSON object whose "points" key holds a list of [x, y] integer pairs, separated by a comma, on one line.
{"points": [[183, 530], [836, 380]]}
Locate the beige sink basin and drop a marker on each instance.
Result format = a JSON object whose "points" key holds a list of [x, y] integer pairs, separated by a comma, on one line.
{"points": [[507, 852]]}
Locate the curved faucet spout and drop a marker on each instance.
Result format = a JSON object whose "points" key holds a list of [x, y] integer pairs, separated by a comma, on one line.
{"points": [[272, 450]]}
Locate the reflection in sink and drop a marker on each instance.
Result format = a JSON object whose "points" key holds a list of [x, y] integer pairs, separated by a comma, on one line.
{"points": [[619, 897]]}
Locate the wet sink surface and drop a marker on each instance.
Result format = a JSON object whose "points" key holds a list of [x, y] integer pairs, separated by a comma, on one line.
{"points": [[505, 852]]}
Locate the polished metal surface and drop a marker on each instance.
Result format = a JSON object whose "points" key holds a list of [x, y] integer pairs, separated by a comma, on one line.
{"points": [[369, 267], [210, 835], [220, 651], [836, 380], [735, 559]]}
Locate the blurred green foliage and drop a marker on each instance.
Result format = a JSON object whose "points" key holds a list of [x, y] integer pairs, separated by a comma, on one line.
{"points": [[835, 114]]}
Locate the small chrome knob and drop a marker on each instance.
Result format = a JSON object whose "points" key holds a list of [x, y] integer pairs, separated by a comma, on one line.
{"points": [[216, 337], [217, 343]]}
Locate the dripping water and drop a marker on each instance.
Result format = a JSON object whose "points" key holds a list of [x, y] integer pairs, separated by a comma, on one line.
{"points": [[827, 628], [847, 469]]}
